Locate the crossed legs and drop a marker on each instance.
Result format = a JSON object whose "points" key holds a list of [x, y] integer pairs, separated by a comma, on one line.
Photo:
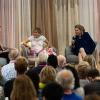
{"points": [[81, 54]]}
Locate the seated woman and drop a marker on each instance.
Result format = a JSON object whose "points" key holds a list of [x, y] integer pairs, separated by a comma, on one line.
{"points": [[3, 52], [36, 41], [83, 43]]}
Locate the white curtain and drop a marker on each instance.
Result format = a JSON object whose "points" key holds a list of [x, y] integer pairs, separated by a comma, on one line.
{"points": [[88, 17], [15, 21], [66, 17]]}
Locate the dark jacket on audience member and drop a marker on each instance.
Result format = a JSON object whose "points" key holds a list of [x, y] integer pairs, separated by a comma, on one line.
{"points": [[8, 88], [39, 68]]}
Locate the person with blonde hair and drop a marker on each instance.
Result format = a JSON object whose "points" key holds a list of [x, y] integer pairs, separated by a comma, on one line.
{"points": [[83, 69], [47, 74], [91, 60], [3, 51], [23, 89], [83, 43], [42, 61]]}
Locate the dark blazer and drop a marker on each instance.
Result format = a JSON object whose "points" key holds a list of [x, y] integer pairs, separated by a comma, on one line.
{"points": [[86, 42]]}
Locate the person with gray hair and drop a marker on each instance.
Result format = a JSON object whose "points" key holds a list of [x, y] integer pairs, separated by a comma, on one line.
{"points": [[42, 61], [8, 71], [66, 79], [61, 62]]}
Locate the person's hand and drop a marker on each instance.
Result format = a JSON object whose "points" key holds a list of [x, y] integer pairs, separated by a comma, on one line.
{"points": [[29, 47], [7, 50], [47, 48], [72, 41]]}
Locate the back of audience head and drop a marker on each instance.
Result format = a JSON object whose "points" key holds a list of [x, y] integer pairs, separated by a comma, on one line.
{"points": [[75, 74], [91, 60], [23, 89], [13, 54], [92, 97], [21, 64], [52, 61], [83, 70], [92, 74], [65, 79], [33, 75], [61, 60], [52, 91], [42, 57], [47, 74]]}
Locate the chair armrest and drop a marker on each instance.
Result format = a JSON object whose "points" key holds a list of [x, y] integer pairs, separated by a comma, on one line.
{"points": [[24, 51], [68, 51], [6, 47]]}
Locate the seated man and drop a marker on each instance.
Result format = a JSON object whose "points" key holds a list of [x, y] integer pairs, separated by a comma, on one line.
{"points": [[94, 78], [61, 62], [66, 79], [8, 71]]}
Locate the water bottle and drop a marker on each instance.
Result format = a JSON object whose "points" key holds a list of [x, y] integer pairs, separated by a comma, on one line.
{"points": [[35, 54]]}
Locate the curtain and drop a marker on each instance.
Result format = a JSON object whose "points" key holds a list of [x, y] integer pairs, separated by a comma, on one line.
{"points": [[56, 18], [88, 17], [43, 16], [15, 21], [98, 5]]}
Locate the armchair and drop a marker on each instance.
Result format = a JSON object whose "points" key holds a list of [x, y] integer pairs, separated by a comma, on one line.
{"points": [[29, 57], [71, 58]]}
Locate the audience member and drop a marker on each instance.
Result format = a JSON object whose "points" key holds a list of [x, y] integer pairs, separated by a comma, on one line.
{"points": [[8, 71], [47, 74], [83, 70], [42, 61], [61, 62], [21, 64], [52, 61], [91, 60], [77, 89], [66, 79], [94, 78], [52, 91], [23, 89], [33, 75], [92, 97]]}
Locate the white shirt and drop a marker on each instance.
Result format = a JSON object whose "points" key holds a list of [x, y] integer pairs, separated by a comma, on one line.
{"points": [[8, 71], [37, 43]]}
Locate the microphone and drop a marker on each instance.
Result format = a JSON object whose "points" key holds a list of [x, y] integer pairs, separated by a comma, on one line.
{"points": [[73, 46], [73, 37]]}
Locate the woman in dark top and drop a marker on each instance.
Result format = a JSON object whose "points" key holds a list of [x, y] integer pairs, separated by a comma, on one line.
{"points": [[3, 52], [83, 42]]}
